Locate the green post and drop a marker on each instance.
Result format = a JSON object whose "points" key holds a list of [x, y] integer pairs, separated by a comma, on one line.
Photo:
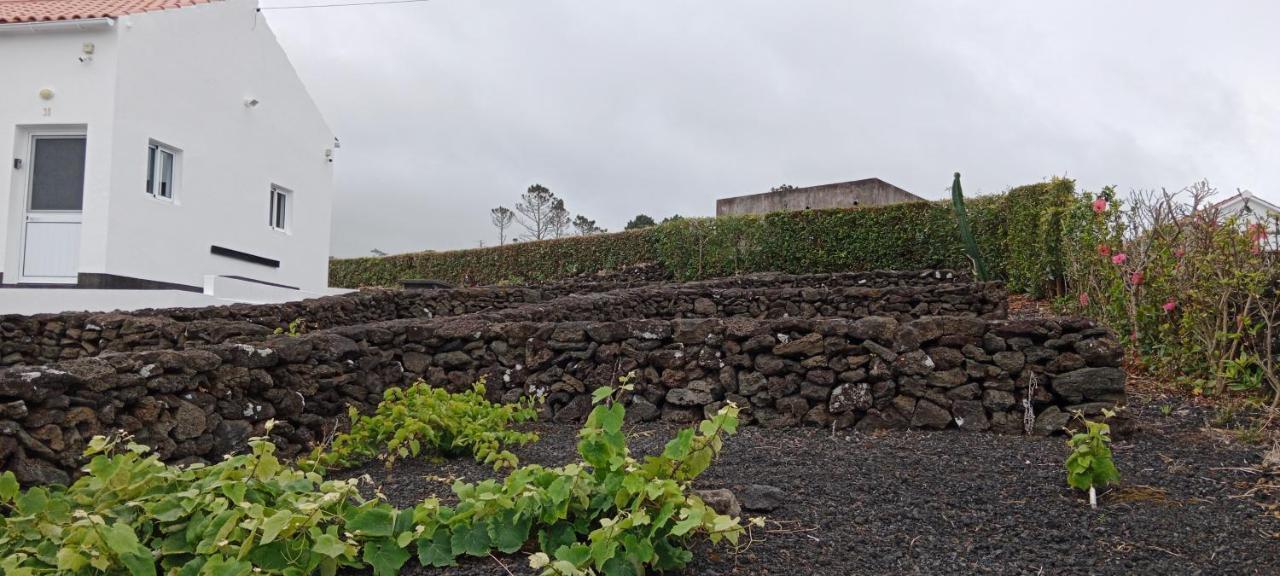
{"points": [[966, 233]]}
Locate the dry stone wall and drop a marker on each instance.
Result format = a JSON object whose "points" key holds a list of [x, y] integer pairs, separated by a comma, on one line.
{"points": [[987, 300], [868, 373], [48, 338]]}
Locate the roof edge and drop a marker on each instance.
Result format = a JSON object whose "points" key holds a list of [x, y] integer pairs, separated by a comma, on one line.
{"points": [[38, 26], [858, 181]]}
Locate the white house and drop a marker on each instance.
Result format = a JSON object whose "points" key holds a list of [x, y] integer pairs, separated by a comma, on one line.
{"points": [[157, 144], [1249, 209]]}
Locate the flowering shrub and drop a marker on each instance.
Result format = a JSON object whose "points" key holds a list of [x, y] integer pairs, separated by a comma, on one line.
{"points": [[1193, 290]]}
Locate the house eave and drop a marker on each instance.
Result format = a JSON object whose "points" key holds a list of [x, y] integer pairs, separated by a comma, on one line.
{"points": [[75, 25]]}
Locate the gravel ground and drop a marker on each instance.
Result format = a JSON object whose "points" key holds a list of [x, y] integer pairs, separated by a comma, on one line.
{"points": [[953, 502]]}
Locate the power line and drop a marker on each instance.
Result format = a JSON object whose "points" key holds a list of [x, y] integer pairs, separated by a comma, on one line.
{"points": [[341, 5]]}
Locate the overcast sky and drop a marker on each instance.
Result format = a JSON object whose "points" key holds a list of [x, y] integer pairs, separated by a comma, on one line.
{"points": [[448, 108]]}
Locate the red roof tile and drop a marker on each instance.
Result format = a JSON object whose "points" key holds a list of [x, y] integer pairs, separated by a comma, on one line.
{"points": [[46, 10]]}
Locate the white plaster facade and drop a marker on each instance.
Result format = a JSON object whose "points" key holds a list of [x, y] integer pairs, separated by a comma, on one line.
{"points": [[1248, 208], [181, 78]]}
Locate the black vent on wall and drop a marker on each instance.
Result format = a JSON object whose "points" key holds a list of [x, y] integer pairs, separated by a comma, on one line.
{"points": [[244, 256]]}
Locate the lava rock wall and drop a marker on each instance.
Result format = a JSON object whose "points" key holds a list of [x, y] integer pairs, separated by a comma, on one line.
{"points": [[40, 339], [867, 373]]}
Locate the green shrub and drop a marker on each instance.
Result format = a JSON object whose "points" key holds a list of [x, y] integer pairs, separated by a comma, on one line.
{"points": [[1193, 291], [409, 421], [131, 513], [902, 236], [253, 514], [519, 262], [1034, 219]]}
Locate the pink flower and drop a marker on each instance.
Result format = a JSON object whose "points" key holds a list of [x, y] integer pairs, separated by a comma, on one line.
{"points": [[1136, 278], [1179, 252], [1104, 250], [1100, 205], [1084, 299], [1170, 305], [1257, 235], [1119, 258]]}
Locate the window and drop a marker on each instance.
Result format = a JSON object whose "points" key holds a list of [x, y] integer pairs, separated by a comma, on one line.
{"points": [[279, 216], [161, 161]]}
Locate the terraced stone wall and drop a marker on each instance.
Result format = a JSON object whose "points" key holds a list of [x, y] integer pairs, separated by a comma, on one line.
{"points": [[869, 373], [983, 300], [43, 338], [47, 338]]}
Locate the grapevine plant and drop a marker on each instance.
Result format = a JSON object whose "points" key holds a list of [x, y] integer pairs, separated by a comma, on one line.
{"points": [[421, 418], [1089, 465], [254, 514]]}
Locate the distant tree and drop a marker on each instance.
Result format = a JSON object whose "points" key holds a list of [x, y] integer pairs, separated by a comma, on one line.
{"points": [[535, 211], [559, 220], [782, 188], [501, 218], [640, 221], [544, 216], [377, 252], [585, 226], [672, 218]]}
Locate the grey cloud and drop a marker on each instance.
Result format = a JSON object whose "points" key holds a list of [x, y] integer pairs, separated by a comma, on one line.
{"points": [[451, 107]]}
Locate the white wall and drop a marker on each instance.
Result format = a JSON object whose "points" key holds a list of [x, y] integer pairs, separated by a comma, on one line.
{"points": [[1260, 211], [179, 77], [83, 97], [183, 78]]}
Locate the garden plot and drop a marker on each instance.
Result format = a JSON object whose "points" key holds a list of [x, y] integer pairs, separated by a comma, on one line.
{"points": [[914, 502], [872, 445]]}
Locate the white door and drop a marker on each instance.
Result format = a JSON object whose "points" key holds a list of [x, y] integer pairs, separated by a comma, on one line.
{"points": [[55, 197]]}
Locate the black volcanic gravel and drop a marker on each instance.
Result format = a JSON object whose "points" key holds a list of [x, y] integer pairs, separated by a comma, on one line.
{"points": [[908, 502]]}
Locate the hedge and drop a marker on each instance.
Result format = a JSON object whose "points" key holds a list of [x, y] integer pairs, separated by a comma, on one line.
{"points": [[1034, 215], [518, 263], [901, 236], [1010, 229]]}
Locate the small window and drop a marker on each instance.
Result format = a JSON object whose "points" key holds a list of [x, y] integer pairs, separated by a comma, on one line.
{"points": [[280, 209], [161, 160]]}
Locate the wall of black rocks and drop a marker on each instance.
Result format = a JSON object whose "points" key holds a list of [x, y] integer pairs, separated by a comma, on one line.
{"points": [[40, 339], [867, 373]]}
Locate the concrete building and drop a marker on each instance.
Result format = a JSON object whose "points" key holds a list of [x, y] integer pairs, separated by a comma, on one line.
{"points": [[157, 145], [866, 192]]}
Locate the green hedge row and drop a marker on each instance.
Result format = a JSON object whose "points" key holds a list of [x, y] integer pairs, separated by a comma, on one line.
{"points": [[521, 262], [1010, 229], [902, 236], [1033, 213]]}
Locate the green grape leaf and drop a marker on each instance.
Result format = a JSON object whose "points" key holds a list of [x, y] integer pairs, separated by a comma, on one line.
{"points": [[329, 545], [384, 556], [8, 486], [472, 540], [436, 551], [374, 522], [275, 523], [509, 534]]}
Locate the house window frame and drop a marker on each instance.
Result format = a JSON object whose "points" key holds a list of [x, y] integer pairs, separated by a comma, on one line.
{"points": [[277, 222], [155, 171]]}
